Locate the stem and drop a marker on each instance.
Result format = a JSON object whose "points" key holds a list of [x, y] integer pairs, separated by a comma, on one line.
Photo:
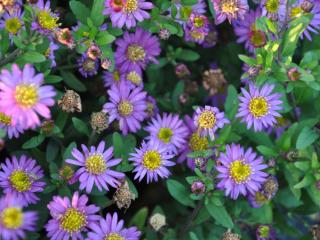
{"points": [[10, 57], [194, 213]]}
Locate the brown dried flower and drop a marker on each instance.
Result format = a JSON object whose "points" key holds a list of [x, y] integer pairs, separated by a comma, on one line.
{"points": [[123, 196], [70, 102], [99, 121], [213, 80]]}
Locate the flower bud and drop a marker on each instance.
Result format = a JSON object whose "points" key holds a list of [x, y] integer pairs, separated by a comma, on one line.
{"points": [[65, 37], [182, 70], [265, 232], [47, 126], [164, 34], [198, 187], [270, 187], [294, 74], [106, 64], [94, 52], [66, 173], [157, 221]]}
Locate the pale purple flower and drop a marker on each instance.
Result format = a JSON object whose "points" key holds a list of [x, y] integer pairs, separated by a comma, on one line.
{"points": [[240, 171], [229, 10], [95, 167], [12, 21]]}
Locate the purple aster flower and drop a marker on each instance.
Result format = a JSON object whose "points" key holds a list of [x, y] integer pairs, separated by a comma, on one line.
{"points": [[133, 78], [208, 120], [112, 228], [169, 130], [259, 107], [6, 125], [50, 53], [127, 12], [195, 143], [265, 232], [20, 178], [14, 222], [70, 218], [229, 9], [111, 78], [151, 160], [183, 12], [240, 171], [275, 10], [46, 22], [95, 164], [245, 29], [152, 109], [87, 66], [22, 97], [211, 39], [194, 35], [136, 50], [12, 22], [314, 25], [257, 199], [197, 28], [126, 105]]}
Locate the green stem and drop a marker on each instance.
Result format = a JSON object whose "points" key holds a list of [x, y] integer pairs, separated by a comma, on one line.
{"points": [[7, 59], [194, 213]]}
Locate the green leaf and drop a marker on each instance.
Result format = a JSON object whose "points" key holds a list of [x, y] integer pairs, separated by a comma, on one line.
{"points": [[104, 38], [306, 138], [176, 93], [189, 2], [266, 151], [314, 194], [179, 192], [71, 80], [306, 181], [53, 79], [52, 150], [33, 57], [67, 151], [80, 126], [117, 144], [96, 13], [80, 11], [187, 55], [33, 142], [219, 213], [139, 219], [248, 60]]}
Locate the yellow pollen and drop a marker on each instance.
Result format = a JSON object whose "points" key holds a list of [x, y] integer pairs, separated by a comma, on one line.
{"points": [[295, 12], [207, 119], [46, 21], [229, 6], [20, 181], [165, 134], [116, 76], [136, 53], [151, 160], [258, 107], [73, 220], [196, 35], [5, 119], [197, 143], [113, 236], [96, 164], [26, 95], [239, 171], [198, 22], [12, 218], [13, 25], [272, 6], [134, 78], [125, 108], [131, 6]]}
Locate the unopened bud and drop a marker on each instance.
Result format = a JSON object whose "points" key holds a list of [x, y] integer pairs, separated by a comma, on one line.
{"points": [[157, 221], [294, 74], [198, 187]]}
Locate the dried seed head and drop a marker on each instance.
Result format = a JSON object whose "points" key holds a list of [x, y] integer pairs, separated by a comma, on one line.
{"points": [[157, 221], [99, 121], [230, 236], [213, 80], [164, 34], [315, 231], [292, 155], [47, 126], [66, 173], [70, 102], [270, 187], [123, 196]]}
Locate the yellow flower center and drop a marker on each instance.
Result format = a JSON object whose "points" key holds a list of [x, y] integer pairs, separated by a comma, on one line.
{"points": [[260, 198], [272, 6], [26, 95], [165, 134], [125, 108], [136, 53], [151, 160], [113, 236], [196, 35], [258, 107], [5, 119], [229, 6], [20, 181], [264, 232], [197, 143], [134, 78], [12, 218], [131, 6], [96, 164], [73, 220], [198, 22], [13, 25], [239, 171], [207, 119], [46, 21], [116, 76], [295, 12]]}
